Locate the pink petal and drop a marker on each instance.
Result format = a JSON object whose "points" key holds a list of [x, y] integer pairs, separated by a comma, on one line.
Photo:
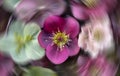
{"points": [[1, 2], [26, 9], [56, 55], [53, 24], [49, 8], [82, 60], [84, 63], [110, 70], [73, 47], [56, 7], [71, 27], [97, 11], [40, 19], [44, 39], [6, 66], [110, 4], [79, 11]]}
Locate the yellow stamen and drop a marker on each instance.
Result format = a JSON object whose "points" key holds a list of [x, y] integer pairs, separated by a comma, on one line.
{"points": [[28, 38], [98, 35], [20, 41], [60, 39]]}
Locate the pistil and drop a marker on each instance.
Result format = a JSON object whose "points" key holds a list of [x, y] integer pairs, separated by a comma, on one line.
{"points": [[60, 39]]}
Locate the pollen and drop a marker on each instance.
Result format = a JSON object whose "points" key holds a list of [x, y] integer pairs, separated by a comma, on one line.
{"points": [[21, 41], [60, 39], [98, 35]]}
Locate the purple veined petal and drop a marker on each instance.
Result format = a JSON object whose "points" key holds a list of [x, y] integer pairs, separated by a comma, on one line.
{"points": [[54, 24], [71, 27], [26, 9], [56, 55], [73, 47], [79, 11], [44, 39]]}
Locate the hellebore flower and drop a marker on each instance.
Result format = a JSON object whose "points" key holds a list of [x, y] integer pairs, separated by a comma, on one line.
{"points": [[97, 67], [96, 36], [85, 8], [26, 9], [6, 66], [21, 42], [59, 38]]}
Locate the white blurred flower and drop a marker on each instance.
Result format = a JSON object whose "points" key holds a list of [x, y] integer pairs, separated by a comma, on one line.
{"points": [[96, 36]]}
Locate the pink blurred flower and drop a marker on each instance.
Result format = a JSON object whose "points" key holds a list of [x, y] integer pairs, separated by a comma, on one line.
{"points": [[27, 9], [59, 37], [1, 2], [97, 67], [85, 8], [6, 66], [96, 36]]}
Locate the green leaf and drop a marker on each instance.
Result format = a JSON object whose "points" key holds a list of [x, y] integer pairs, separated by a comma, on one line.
{"points": [[39, 71], [10, 4], [31, 29], [34, 51], [16, 27]]}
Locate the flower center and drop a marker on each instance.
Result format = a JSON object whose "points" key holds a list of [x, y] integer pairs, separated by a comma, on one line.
{"points": [[98, 35], [20, 41], [60, 39], [90, 3]]}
